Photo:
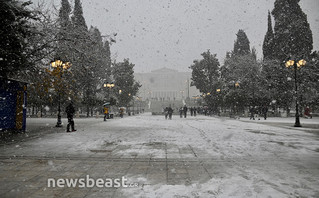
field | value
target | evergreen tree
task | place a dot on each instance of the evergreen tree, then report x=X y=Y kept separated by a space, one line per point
x=99 y=62
x=244 y=70
x=125 y=85
x=292 y=34
x=64 y=14
x=64 y=34
x=15 y=28
x=83 y=64
x=268 y=49
x=240 y=76
x=241 y=45
x=275 y=84
x=78 y=18
x=205 y=77
x=205 y=72
x=107 y=57
x=309 y=83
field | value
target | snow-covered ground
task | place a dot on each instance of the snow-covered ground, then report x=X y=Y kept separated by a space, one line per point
x=202 y=156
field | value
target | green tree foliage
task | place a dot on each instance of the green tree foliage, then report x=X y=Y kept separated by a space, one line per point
x=205 y=72
x=107 y=57
x=205 y=77
x=64 y=35
x=78 y=18
x=241 y=45
x=268 y=45
x=291 y=39
x=292 y=34
x=125 y=85
x=277 y=83
x=83 y=59
x=241 y=79
x=15 y=29
x=309 y=83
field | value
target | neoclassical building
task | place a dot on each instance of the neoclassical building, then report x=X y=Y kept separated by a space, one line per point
x=165 y=85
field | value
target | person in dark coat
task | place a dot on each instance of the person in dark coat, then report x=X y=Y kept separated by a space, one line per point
x=195 y=111
x=166 y=112
x=170 y=112
x=264 y=111
x=70 y=113
x=252 y=113
x=307 y=112
x=181 y=112
x=106 y=113
x=185 y=111
x=192 y=111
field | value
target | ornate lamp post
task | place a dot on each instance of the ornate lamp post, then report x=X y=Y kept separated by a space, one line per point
x=296 y=66
x=61 y=66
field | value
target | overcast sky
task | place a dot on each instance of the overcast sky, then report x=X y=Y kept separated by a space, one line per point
x=172 y=33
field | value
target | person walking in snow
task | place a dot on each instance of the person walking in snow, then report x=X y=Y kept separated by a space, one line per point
x=307 y=112
x=264 y=111
x=185 y=111
x=181 y=112
x=166 y=112
x=170 y=112
x=194 y=108
x=191 y=110
x=70 y=113
x=252 y=113
x=121 y=112
x=106 y=113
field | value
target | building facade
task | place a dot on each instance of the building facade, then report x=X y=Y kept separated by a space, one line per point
x=165 y=85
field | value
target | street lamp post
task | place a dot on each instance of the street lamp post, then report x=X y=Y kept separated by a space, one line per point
x=296 y=66
x=109 y=86
x=61 y=66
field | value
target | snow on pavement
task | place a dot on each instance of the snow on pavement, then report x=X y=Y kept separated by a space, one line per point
x=242 y=159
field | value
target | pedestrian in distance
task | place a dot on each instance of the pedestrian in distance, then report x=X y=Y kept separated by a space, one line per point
x=106 y=113
x=170 y=112
x=265 y=111
x=191 y=110
x=166 y=112
x=252 y=113
x=121 y=112
x=195 y=111
x=70 y=113
x=181 y=112
x=185 y=111
x=307 y=112
x=257 y=112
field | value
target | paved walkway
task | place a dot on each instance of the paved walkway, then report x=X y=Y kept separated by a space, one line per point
x=194 y=157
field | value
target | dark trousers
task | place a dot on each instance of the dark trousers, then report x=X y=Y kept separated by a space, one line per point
x=252 y=116
x=70 y=122
x=106 y=116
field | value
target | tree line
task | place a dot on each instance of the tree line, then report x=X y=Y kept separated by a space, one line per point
x=33 y=38
x=244 y=81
